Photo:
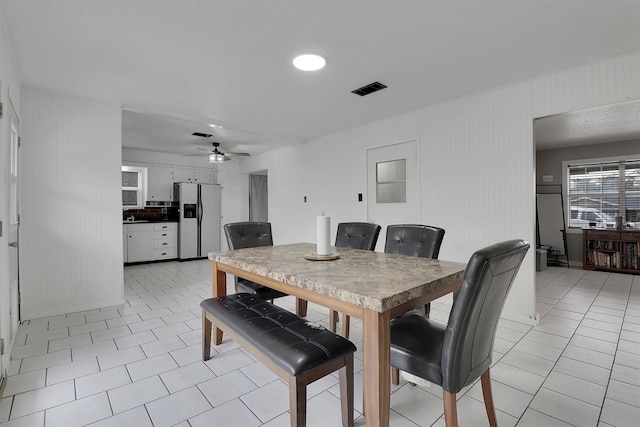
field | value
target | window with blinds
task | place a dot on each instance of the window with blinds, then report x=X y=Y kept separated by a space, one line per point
x=391 y=181
x=133 y=187
x=599 y=192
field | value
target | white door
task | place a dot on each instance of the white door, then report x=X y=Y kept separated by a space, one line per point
x=11 y=230
x=393 y=187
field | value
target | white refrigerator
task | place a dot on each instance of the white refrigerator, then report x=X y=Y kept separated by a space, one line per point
x=199 y=224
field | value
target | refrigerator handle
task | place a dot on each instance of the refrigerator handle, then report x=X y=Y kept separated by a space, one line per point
x=199 y=210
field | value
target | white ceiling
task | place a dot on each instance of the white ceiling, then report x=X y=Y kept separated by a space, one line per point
x=610 y=123
x=179 y=65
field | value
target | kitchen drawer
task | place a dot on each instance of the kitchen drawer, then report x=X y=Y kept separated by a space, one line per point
x=165 y=234
x=167 y=243
x=165 y=226
x=165 y=253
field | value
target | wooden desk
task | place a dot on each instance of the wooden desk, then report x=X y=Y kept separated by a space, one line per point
x=372 y=286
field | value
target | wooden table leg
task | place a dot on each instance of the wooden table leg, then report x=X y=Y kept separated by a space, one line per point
x=376 y=352
x=301 y=307
x=219 y=289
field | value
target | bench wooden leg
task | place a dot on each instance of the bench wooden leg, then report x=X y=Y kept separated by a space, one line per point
x=298 y=400
x=206 y=336
x=395 y=376
x=346 y=391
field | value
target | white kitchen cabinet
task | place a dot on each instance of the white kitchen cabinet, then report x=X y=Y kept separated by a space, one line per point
x=198 y=176
x=150 y=241
x=159 y=183
x=139 y=242
x=165 y=238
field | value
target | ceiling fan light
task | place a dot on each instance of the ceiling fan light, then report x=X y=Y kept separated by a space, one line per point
x=309 y=62
x=216 y=158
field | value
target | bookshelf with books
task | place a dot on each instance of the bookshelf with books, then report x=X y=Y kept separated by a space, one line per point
x=611 y=250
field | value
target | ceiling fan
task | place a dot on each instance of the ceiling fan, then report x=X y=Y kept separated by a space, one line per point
x=217 y=156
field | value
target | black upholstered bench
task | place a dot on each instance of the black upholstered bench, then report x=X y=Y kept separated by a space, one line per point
x=298 y=351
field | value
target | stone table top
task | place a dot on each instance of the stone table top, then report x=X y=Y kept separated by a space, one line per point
x=373 y=280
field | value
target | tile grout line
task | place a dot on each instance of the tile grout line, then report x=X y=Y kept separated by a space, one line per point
x=563 y=350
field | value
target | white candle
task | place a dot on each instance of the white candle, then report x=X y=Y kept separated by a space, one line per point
x=324 y=235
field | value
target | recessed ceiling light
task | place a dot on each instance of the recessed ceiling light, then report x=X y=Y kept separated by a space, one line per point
x=309 y=62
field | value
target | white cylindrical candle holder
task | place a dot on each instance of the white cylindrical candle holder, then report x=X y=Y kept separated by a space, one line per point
x=324 y=235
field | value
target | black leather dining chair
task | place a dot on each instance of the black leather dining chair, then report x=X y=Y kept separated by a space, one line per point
x=458 y=353
x=353 y=235
x=415 y=240
x=250 y=235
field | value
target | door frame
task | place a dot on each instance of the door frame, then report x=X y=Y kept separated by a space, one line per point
x=14 y=221
x=408 y=212
x=9 y=313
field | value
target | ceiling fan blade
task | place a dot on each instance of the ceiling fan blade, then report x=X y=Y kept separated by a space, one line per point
x=204 y=149
x=237 y=154
x=190 y=155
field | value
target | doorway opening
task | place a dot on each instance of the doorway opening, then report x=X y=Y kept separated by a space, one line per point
x=259 y=196
x=601 y=132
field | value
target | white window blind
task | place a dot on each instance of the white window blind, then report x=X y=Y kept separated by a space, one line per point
x=133 y=187
x=600 y=191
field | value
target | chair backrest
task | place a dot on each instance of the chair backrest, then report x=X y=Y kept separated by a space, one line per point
x=248 y=234
x=471 y=330
x=357 y=235
x=414 y=240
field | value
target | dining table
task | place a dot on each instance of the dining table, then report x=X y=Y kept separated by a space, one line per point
x=372 y=286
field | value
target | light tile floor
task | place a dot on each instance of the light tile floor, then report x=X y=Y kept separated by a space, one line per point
x=139 y=364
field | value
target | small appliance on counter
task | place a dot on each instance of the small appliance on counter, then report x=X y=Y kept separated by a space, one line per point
x=199 y=219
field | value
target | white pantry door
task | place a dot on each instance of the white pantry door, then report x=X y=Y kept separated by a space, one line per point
x=393 y=187
x=9 y=307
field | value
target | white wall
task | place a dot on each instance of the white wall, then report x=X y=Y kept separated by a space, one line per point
x=476 y=158
x=9 y=92
x=71 y=229
x=234 y=195
x=284 y=168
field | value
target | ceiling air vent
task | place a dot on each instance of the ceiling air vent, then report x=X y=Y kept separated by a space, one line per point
x=204 y=135
x=370 y=88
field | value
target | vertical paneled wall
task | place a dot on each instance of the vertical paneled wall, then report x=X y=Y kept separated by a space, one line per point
x=478 y=179
x=601 y=83
x=71 y=230
x=284 y=169
x=477 y=161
